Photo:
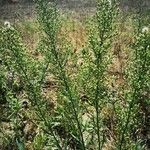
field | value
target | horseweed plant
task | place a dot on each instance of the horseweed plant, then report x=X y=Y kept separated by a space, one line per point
x=79 y=111
x=20 y=77
x=72 y=109
x=100 y=38
x=137 y=95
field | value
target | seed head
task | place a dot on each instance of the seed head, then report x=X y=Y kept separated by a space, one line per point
x=145 y=30
x=7 y=24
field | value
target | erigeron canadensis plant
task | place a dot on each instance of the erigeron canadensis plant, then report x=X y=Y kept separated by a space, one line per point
x=19 y=66
x=56 y=58
x=11 y=51
x=71 y=108
x=94 y=70
x=134 y=130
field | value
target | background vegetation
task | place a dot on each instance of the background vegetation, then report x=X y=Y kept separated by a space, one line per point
x=74 y=82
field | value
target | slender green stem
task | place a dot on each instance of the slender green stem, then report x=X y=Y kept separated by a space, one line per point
x=36 y=100
x=127 y=122
x=139 y=72
x=63 y=75
x=97 y=109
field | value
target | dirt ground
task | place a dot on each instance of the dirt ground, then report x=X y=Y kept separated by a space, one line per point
x=20 y=10
x=26 y=8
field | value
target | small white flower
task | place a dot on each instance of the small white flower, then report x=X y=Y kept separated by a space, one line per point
x=7 y=24
x=145 y=29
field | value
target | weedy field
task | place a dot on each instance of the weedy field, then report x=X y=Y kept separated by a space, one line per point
x=75 y=81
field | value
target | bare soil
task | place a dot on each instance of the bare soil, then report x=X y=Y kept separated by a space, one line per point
x=26 y=8
x=22 y=9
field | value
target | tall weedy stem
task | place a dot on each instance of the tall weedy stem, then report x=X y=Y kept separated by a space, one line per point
x=100 y=39
x=138 y=80
x=48 y=17
x=11 y=41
